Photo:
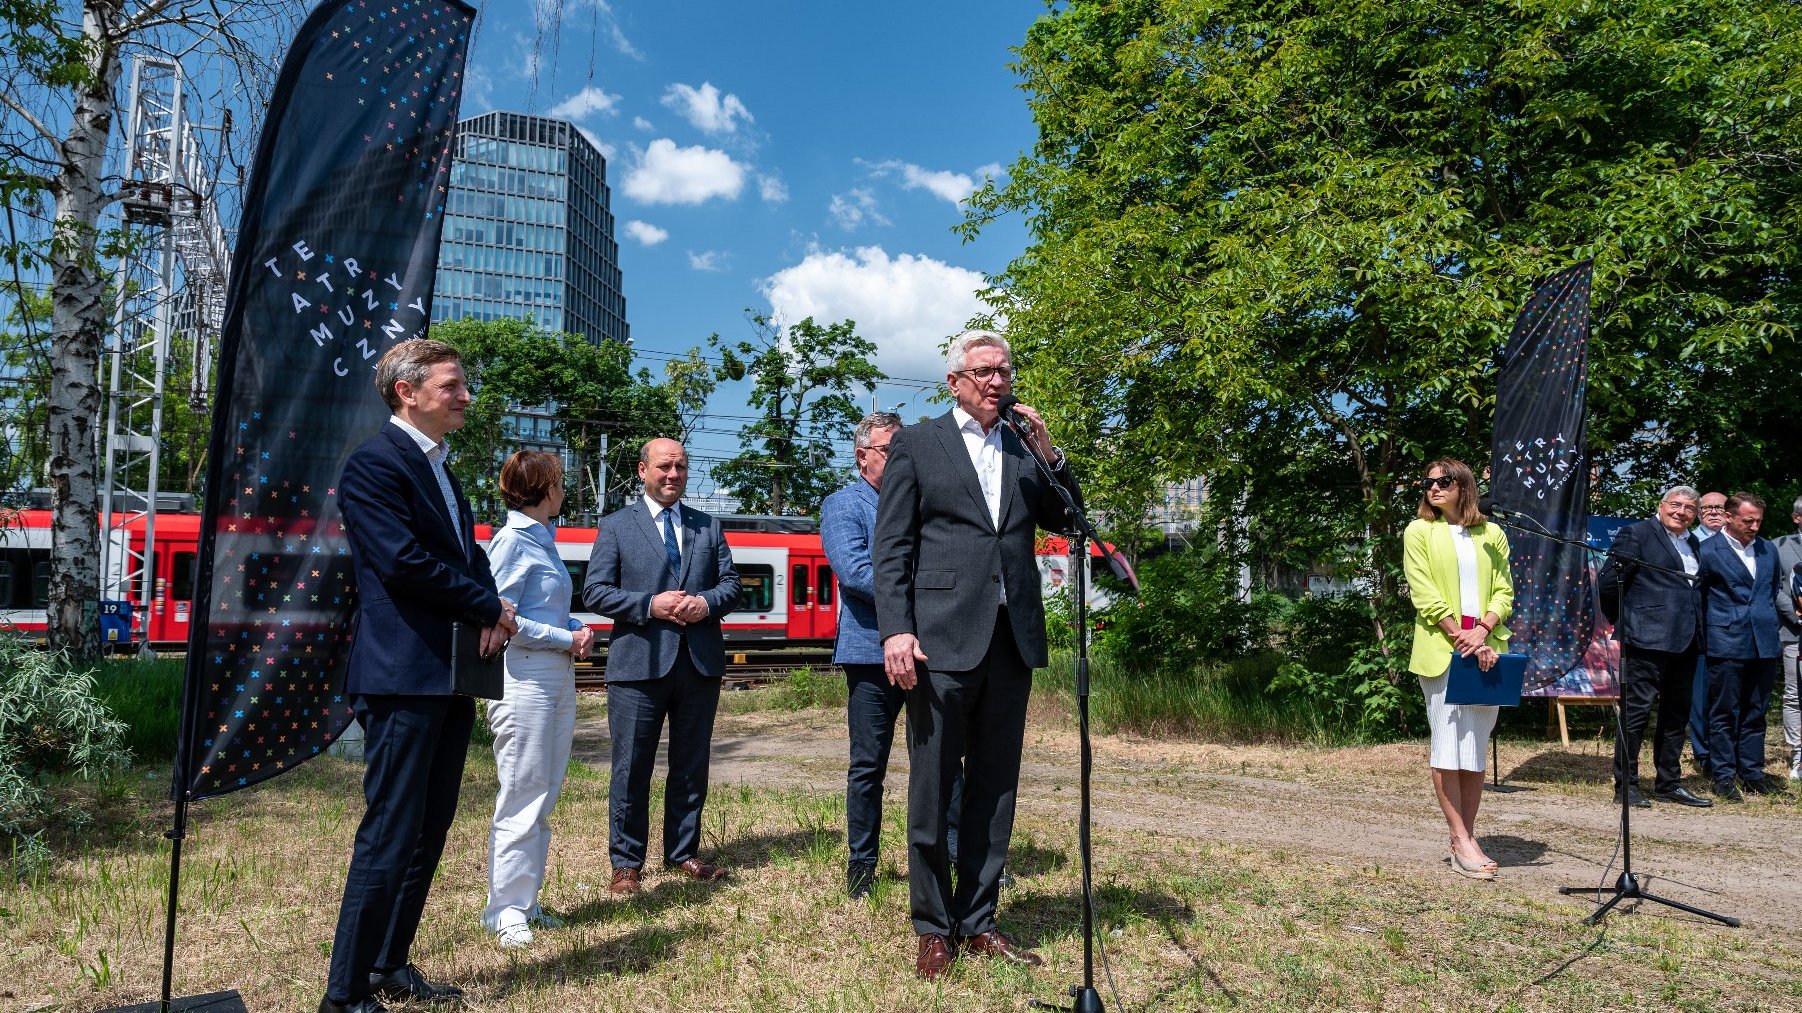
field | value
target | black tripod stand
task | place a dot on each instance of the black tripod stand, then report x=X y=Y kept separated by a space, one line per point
x=1628 y=885
x=1085 y=998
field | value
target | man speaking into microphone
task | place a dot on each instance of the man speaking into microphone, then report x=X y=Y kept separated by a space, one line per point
x=962 y=627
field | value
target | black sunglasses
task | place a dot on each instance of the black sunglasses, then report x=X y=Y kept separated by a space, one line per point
x=1442 y=482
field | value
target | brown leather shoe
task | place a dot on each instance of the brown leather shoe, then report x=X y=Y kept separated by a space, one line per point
x=694 y=868
x=935 y=958
x=993 y=944
x=625 y=882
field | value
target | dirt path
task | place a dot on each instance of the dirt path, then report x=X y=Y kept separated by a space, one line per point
x=1361 y=806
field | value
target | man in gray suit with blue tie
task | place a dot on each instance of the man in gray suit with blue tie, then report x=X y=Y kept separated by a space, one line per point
x=663 y=573
x=1739 y=583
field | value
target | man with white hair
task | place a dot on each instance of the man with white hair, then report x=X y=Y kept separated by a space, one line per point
x=1658 y=617
x=962 y=627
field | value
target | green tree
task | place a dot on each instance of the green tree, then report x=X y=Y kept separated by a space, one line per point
x=803 y=376
x=1279 y=244
x=590 y=391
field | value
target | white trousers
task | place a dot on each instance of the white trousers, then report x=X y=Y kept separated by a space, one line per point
x=533 y=723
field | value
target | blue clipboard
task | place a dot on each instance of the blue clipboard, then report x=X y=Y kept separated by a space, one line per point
x=1499 y=687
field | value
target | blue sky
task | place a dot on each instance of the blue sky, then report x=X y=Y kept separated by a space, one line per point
x=793 y=159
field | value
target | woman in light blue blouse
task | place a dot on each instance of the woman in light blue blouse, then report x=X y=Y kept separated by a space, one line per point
x=535 y=719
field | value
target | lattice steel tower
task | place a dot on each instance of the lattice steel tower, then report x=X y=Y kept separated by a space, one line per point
x=170 y=286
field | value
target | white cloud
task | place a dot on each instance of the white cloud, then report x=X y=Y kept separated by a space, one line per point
x=546 y=13
x=907 y=304
x=641 y=123
x=667 y=174
x=706 y=260
x=854 y=208
x=478 y=91
x=771 y=188
x=607 y=150
x=586 y=103
x=941 y=183
x=705 y=107
x=646 y=233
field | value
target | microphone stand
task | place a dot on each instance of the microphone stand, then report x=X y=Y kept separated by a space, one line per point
x=1628 y=885
x=1085 y=998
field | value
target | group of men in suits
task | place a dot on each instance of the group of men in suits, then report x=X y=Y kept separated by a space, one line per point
x=660 y=570
x=1710 y=597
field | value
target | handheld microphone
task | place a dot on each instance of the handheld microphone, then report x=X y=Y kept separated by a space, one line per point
x=1005 y=406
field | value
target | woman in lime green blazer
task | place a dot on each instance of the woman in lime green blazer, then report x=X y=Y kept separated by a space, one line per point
x=1456 y=563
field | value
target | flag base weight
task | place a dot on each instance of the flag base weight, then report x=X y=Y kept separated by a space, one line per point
x=228 y=1001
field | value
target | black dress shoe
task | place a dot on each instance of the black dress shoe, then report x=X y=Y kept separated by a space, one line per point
x=1725 y=791
x=1634 y=799
x=860 y=877
x=367 y=1004
x=407 y=983
x=1683 y=796
x=1764 y=786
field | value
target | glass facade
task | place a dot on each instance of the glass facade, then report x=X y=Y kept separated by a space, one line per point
x=528 y=229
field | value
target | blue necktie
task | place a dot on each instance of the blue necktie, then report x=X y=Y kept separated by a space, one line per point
x=669 y=543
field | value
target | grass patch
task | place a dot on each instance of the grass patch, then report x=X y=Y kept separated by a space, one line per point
x=146 y=695
x=1214 y=700
x=1188 y=924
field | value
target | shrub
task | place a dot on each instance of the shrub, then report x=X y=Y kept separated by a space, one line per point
x=1336 y=666
x=808 y=687
x=52 y=721
x=1188 y=611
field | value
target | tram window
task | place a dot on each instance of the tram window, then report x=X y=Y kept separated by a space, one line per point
x=40 y=584
x=181 y=582
x=578 y=571
x=758 y=586
x=797 y=585
x=6 y=583
x=824 y=584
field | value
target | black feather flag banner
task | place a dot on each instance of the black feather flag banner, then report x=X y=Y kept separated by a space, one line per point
x=334 y=263
x=1538 y=468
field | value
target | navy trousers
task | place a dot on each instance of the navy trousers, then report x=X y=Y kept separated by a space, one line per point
x=414 y=747
x=635 y=716
x=870 y=712
x=976 y=721
x=1739 y=693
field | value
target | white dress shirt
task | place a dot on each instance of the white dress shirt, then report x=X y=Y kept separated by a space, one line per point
x=985 y=454
x=657 y=511
x=1744 y=552
x=1680 y=545
x=435 y=451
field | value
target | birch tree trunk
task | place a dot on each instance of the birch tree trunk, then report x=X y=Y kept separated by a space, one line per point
x=78 y=324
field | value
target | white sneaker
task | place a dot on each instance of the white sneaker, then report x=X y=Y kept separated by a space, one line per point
x=1795 y=768
x=514 y=937
x=545 y=920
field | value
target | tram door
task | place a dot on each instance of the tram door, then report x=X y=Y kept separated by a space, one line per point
x=812 y=596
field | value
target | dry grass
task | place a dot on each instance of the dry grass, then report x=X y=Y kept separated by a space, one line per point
x=1189 y=923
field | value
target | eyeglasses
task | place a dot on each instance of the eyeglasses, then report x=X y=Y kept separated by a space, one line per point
x=1442 y=482
x=1714 y=509
x=875 y=449
x=983 y=374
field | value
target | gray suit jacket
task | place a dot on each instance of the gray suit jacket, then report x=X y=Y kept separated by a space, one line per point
x=629 y=567
x=940 y=561
x=1789 y=553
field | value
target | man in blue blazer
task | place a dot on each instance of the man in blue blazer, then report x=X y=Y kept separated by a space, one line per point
x=418 y=571
x=662 y=572
x=1739 y=583
x=847 y=529
x=1656 y=610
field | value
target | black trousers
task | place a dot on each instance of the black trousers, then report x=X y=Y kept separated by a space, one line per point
x=975 y=720
x=414 y=747
x=635 y=715
x=1653 y=678
x=1739 y=692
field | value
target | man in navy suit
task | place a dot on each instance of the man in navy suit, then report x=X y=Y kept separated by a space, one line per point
x=1739 y=583
x=418 y=571
x=662 y=572
x=1657 y=616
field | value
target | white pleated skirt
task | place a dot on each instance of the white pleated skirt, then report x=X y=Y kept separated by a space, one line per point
x=1460 y=731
